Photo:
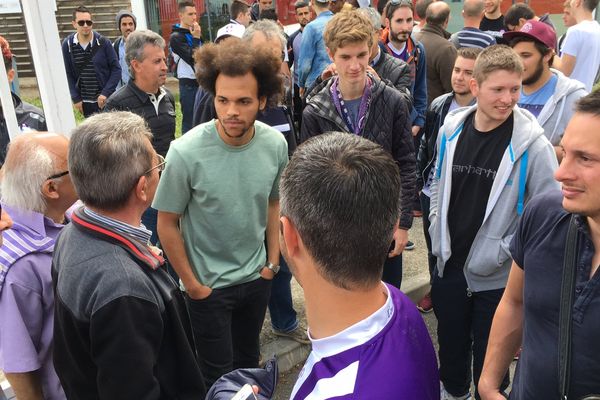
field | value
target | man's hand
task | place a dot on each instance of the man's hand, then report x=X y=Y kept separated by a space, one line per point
x=301 y=91
x=372 y=72
x=101 y=101
x=198 y=291
x=328 y=72
x=79 y=106
x=196 y=30
x=400 y=240
x=267 y=274
x=415 y=130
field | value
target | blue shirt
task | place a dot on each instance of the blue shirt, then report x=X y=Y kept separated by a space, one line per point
x=538 y=247
x=313 y=55
x=123 y=64
x=535 y=101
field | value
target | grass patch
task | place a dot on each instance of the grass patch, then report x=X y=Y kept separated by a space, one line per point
x=79 y=116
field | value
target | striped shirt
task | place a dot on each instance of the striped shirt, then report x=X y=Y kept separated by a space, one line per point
x=472 y=37
x=140 y=233
x=88 y=83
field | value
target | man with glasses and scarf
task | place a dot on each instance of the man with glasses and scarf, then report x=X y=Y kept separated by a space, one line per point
x=92 y=66
x=359 y=103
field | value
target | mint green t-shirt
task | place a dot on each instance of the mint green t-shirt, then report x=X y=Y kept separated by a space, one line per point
x=222 y=193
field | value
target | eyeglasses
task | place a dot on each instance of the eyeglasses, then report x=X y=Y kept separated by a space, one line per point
x=56 y=176
x=87 y=22
x=161 y=164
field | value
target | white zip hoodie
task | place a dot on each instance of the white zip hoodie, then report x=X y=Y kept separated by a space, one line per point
x=526 y=169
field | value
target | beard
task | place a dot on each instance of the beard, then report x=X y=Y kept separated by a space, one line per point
x=395 y=36
x=537 y=74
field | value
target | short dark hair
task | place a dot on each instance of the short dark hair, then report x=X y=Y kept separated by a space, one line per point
x=539 y=46
x=300 y=4
x=590 y=4
x=437 y=17
x=183 y=4
x=268 y=13
x=342 y=193
x=391 y=8
x=421 y=7
x=516 y=12
x=469 y=53
x=80 y=9
x=237 y=8
x=235 y=58
x=381 y=6
x=589 y=104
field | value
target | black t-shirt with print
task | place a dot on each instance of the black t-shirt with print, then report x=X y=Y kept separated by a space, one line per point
x=476 y=160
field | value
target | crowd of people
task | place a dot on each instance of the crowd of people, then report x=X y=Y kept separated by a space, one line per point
x=138 y=262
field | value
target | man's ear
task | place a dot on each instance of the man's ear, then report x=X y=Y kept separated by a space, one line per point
x=291 y=239
x=141 y=188
x=262 y=103
x=474 y=87
x=49 y=189
x=329 y=53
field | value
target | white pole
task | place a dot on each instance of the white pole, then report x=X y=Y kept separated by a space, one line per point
x=44 y=42
x=138 y=8
x=8 y=108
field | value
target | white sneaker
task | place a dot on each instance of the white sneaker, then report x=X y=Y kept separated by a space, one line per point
x=444 y=395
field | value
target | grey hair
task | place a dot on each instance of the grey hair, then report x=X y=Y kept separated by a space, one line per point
x=373 y=16
x=108 y=153
x=134 y=46
x=342 y=193
x=28 y=165
x=268 y=28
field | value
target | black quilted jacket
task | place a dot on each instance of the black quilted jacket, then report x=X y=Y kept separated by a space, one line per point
x=388 y=124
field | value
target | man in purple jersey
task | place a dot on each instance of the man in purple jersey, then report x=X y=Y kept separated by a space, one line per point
x=339 y=198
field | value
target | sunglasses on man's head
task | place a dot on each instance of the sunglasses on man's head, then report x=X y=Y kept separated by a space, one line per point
x=87 y=22
x=403 y=2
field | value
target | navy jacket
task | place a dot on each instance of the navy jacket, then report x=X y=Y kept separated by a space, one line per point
x=106 y=65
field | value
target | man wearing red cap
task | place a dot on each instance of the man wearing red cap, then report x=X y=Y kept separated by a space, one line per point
x=546 y=92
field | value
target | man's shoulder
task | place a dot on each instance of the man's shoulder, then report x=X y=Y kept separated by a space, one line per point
x=194 y=138
x=269 y=134
x=543 y=208
x=124 y=97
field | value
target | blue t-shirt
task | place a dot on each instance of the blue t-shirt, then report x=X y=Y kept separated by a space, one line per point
x=535 y=102
x=538 y=247
x=353 y=106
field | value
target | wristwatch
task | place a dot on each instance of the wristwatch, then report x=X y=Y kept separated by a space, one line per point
x=274 y=268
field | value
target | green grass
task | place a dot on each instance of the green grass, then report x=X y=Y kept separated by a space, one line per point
x=79 y=116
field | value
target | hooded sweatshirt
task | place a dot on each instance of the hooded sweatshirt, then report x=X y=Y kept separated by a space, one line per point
x=526 y=169
x=559 y=108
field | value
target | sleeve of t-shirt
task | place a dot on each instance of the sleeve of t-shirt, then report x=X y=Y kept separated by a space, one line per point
x=21 y=308
x=283 y=160
x=174 y=189
x=572 y=43
x=519 y=239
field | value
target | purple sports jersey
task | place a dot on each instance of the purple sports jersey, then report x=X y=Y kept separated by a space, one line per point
x=388 y=355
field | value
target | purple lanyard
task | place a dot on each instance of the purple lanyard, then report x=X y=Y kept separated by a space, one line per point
x=354 y=126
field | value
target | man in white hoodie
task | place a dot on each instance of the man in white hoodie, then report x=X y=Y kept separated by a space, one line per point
x=492 y=157
x=547 y=93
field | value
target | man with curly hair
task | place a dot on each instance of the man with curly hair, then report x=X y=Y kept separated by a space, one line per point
x=217 y=200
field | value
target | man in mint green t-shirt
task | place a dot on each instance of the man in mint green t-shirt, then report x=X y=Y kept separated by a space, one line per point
x=218 y=199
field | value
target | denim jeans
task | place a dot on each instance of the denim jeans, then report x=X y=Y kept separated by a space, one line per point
x=281 y=307
x=464 y=323
x=227 y=326
x=149 y=219
x=90 y=109
x=187 y=96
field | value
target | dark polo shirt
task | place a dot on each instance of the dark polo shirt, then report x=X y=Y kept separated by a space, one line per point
x=157 y=110
x=538 y=247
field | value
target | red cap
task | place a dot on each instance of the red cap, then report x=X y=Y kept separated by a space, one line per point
x=536 y=30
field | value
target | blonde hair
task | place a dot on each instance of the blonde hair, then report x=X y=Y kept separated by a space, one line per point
x=496 y=58
x=348 y=27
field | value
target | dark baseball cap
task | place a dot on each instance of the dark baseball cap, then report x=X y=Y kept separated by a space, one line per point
x=535 y=30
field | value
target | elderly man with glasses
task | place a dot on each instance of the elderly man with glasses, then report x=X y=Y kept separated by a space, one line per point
x=36 y=192
x=122 y=330
x=146 y=96
x=92 y=66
